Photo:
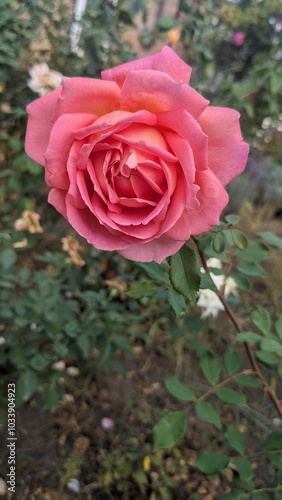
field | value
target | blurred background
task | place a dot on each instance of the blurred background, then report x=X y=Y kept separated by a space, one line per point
x=84 y=335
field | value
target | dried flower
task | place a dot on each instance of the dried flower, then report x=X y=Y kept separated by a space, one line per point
x=29 y=221
x=174 y=35
x=72 y=246
x=43 y=79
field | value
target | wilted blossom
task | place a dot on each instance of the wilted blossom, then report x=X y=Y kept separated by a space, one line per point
x=238 y=38
x=29 y=221
x=72 y=247
x=208 y=300
x=43 y=79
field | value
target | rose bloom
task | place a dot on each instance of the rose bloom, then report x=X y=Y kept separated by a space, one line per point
x=238 y=38
x=137 y=161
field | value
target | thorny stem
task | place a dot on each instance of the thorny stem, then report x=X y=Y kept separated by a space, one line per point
x=277 y=402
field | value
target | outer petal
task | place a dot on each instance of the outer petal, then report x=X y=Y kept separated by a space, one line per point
x=39 y=125
x=61 y=139
x=212 y=198
x=156 y=250
x=57 y=198
x=87 y=95
x=83 y=221
x=166 y=61
x=156 y=91
x=227 y=152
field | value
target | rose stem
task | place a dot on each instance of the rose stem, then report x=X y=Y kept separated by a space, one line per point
x=277 y=403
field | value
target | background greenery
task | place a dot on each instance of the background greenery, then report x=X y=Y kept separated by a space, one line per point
x=115 y=326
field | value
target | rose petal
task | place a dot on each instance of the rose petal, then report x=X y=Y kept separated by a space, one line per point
x=87 y=95
x=156 y=91
x=57 y=198
x=61 y=139
x=86 y=224
x=166 y=60
x=181 y=122
x=39 y=125
x=156 y=250
x=116 y=121
x=227 y=153
x=212 y=200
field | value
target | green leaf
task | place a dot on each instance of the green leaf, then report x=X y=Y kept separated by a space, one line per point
x=156 y=271
x=242 y=282
x=204 y=242
x=143 y=289
x=240 y=239
x=273 y=441
x=271 y=345
x=248 y=381
x=271 y=239
x=251 y=337
x=179 y=390
x=231 y=397
x=232 y=219
x=170 y=430
x=235 y=438
x=211 y=463
x=166 y=22
x=251 y=269
x=244 y=468
x=260 y=318
x=255 y=252
x=207 y=282
x=235 y=495
x=177 y=301
x=268 y=358
x=40 y=361
x=207 y=413
x=185 y=273
x=8 y=258
x=210 y=367
x=278 y=326
x=26 y=386
x=219 y=242
x=51 y=397
x=232 y=360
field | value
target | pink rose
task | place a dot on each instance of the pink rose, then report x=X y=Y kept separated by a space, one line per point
x=238 y=38
x=137 y=161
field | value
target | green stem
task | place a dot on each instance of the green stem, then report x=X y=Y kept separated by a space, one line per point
x=254 y=364
x=221 y=384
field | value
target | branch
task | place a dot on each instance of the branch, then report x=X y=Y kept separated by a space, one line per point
x=254 y=364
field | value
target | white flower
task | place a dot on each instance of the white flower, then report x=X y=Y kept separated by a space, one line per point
x=73 y=485
x=208 y=300
x=72 y=371
x=59 y=365
x=43 y=79
x=2 y=340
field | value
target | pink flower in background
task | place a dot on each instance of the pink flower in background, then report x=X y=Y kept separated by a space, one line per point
x=238 y=38
x=136 y=162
